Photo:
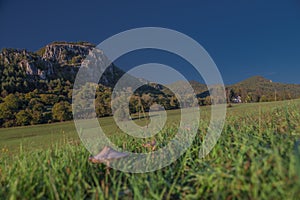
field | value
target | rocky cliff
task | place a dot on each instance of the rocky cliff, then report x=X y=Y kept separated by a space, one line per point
x=28 y=62
x=58 y=60
x=67 y=54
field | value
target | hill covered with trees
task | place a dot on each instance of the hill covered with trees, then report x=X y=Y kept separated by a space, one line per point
x=36 y=87
x=260 y=89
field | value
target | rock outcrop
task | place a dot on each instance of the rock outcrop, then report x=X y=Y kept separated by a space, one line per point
x=58 y=60
x=30 y=63
x=67 y=54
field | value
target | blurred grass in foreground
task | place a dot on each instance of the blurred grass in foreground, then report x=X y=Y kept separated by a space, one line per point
x=256 y=157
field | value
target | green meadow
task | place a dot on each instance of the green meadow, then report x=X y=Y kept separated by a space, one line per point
x=256 y=157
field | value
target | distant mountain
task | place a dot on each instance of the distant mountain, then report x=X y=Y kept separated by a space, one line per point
x=36 y=87
x=253 y=89
x=258 y=88
x=198 y=87
x=61 y=60
x=24 y=71
x=183 y=85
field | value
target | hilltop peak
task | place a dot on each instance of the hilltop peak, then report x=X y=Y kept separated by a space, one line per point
x=66 y=53
x=255 y=80
x=79 y=43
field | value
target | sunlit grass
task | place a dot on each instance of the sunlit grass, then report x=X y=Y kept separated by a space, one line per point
x=256 y=157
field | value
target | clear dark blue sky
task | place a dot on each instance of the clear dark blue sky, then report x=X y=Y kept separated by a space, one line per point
x=244 y=37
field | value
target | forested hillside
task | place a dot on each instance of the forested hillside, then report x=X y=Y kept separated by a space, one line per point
x=36 y=87
x=260 y=89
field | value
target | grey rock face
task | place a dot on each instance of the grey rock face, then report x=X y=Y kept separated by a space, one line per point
x=58 y=60
x=31 y=63
x=67 y=53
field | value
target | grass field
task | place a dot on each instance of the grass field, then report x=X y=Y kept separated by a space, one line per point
x=256 y=157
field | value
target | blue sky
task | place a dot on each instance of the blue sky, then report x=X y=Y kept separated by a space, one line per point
x=244 y=38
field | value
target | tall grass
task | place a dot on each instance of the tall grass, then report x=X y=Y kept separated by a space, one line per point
x=256 y=157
